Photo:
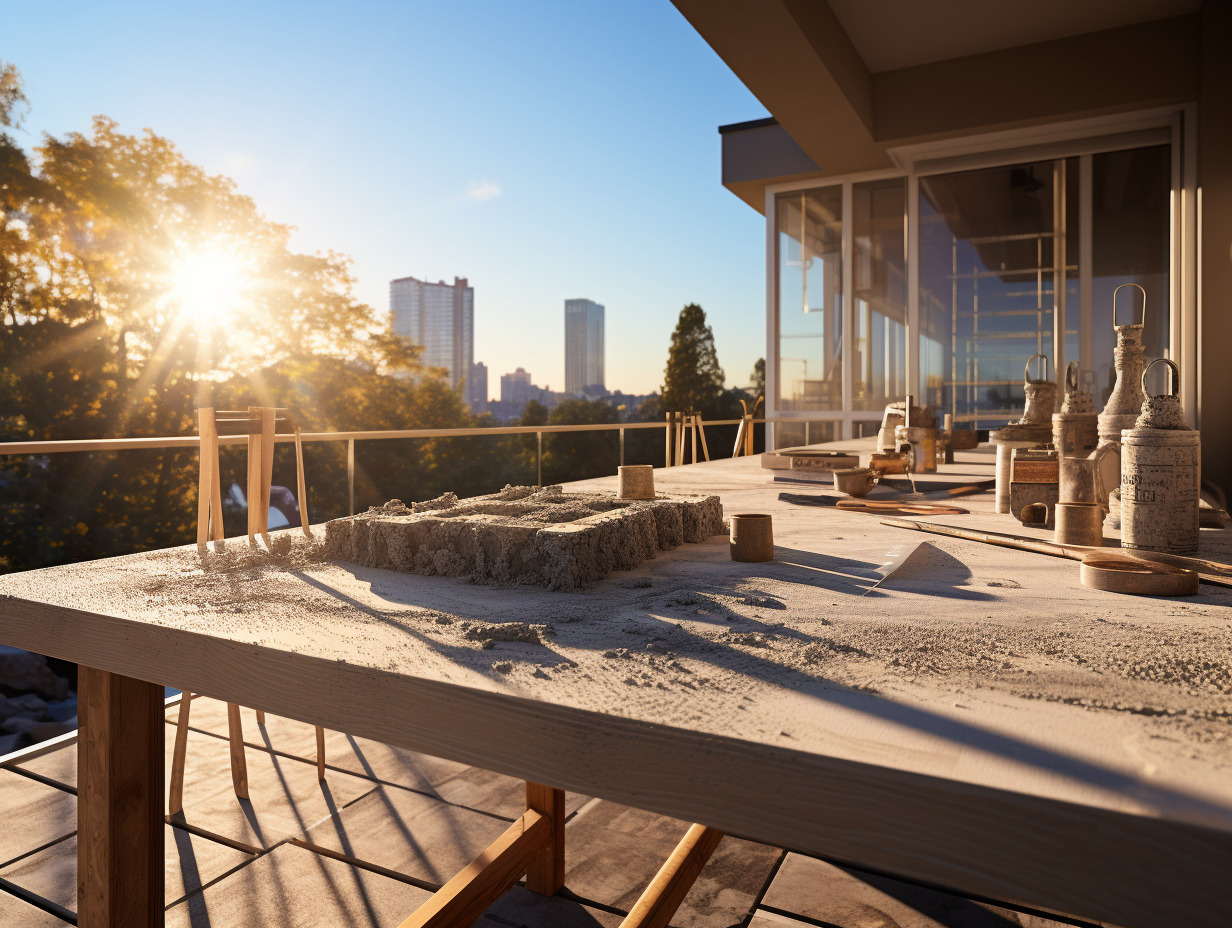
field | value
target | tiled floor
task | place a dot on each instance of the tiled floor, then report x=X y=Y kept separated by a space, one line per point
x=362 y=849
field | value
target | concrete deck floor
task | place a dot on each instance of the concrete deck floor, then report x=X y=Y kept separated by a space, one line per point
x=367 y=846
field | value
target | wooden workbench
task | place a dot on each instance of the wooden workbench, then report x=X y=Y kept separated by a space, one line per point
x=775 y=702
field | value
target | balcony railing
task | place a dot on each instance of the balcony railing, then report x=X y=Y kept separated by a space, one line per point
x=192 y=441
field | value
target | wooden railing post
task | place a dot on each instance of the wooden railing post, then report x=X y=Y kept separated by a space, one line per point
x=546 y=873
x=119 y=801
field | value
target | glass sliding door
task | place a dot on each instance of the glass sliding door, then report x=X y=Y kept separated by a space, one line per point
x=995 y=276
x=810 y=300
x=879 y=288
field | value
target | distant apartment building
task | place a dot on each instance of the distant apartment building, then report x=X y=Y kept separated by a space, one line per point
x=441 y=318
x=477 y=387
x=517 y=389
x=583 y=348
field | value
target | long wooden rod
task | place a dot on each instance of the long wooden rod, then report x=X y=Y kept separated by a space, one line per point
x=467 y=896
x=1208 y=571
x=675 y=878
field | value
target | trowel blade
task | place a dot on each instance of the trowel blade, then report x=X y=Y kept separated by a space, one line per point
x=899 y=557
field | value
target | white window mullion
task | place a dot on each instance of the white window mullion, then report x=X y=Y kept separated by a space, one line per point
x=849 y=312
x=913 y=285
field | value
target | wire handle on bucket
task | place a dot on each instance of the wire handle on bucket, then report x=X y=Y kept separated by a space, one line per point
x=1026 y=370
x=1137 y=287
x=1073 y=377
x=1174 y=376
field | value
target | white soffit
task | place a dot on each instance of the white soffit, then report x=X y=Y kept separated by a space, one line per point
x=893 y=34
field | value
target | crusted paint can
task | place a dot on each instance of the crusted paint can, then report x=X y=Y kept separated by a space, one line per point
x=1161 y=475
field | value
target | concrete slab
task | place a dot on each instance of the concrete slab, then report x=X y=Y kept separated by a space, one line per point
x=764 y=919
x=191 y=862
x=32 y=815
x=521 y=908
x=291 y=887
x=825 y=893
x=18 y=912
x=460 y=784
x=59 y=766
x=408 y=833
x=285 y=797
x=614 y=851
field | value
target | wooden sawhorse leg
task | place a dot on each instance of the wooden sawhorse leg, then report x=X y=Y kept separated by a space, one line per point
x=675 y=878
x=119 y=801
x=534 y=845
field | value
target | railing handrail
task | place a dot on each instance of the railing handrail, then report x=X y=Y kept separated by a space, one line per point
x=192 y=441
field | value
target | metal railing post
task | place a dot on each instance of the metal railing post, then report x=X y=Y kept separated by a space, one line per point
x=539 y=459
x=351 y=475
x=622 y=447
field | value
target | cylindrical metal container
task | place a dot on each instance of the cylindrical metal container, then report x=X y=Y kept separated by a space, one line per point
x=752 y=537
x=923 y=447
x=1161 y=476
x=636 y=481
x=1079 y=524
x=1075 y=434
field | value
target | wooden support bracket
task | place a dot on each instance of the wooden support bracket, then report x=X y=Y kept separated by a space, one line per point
x=546 y=873
x=672 y=883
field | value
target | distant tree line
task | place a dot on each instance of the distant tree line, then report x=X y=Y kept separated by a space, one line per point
x=95 y=230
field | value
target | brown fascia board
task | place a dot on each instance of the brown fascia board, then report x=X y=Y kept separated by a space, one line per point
x=795 y=57
x=1131 y=67
x=759 y=153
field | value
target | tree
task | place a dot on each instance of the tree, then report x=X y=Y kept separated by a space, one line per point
x=759 y=378
x=693 y=380
x=576 y=456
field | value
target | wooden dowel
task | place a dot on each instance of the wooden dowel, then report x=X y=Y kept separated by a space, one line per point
x=205 y=480
x=320 y=753
x=267 y=466
x=672 y=883
x=738 y=447
x=302 y=485
x=701 y=430
x=693 y=436
x=239 y=766
x=260 y=716
x=680 y=429
x=467 y=896
x=667 y=450
x=546 y=873
x=175 y=795
x=1208 y=571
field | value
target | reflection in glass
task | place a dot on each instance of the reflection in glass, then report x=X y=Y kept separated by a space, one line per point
x=794 y=434
x=810 y=299
x=879 y=235
x=993 y=248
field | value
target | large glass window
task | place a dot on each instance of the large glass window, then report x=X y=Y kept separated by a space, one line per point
x=1000 y=265
x=879 y=285
x=810 y=299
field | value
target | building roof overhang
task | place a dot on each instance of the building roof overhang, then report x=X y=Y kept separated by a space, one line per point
x=845 y=84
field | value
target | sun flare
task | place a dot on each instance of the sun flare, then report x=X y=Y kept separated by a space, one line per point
x=208 y=288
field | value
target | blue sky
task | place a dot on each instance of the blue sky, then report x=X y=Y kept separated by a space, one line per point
x=546 y=150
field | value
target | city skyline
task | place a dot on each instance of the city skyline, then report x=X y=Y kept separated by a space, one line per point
x=524 y=146
x=584 y=347
x=440 y=317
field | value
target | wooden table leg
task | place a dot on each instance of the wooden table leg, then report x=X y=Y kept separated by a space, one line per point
x=546 y=873
x=119 y=801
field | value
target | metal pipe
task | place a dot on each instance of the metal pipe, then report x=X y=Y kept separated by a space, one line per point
x=539 y=459
x=622 y=447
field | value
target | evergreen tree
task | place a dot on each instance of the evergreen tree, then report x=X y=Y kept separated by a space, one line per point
x=759 y=378
x=693 y=380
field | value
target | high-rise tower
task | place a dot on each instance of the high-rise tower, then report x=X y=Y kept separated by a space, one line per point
x=583 y=347
x=439 y=316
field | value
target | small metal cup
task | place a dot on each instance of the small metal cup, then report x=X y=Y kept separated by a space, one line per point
x=752 y=537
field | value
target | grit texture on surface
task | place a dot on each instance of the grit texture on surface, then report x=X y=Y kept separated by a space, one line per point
x=971 y=662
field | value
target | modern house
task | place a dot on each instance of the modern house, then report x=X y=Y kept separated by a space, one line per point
x=952 y=187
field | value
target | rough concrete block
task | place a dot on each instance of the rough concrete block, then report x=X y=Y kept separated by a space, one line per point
x=523 y=535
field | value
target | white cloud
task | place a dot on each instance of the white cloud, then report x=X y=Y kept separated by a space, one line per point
x=480 y=191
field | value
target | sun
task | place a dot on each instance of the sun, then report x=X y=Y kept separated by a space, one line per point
x=209 y=288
